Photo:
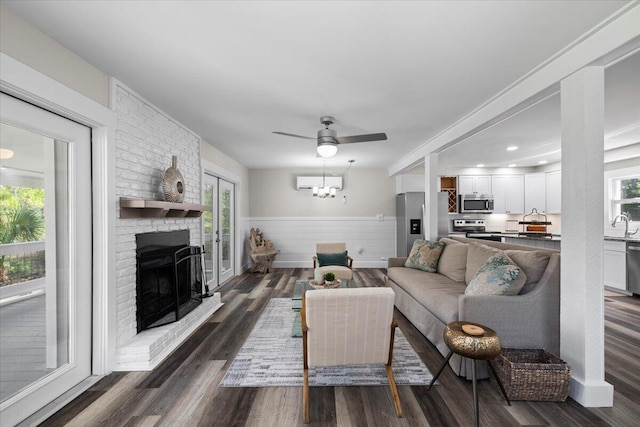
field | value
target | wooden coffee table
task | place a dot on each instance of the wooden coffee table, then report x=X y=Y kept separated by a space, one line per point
x=303 y=286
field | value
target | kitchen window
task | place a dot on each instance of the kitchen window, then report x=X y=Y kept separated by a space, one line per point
x=625 y=197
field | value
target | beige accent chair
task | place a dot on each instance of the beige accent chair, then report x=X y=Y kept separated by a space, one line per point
x=341 y=271
x=352 y=326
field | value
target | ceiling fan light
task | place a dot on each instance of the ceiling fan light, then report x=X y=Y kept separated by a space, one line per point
x=333 y=192
x=5 y=154
x=327 y=149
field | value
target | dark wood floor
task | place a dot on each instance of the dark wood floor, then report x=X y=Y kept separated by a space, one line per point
x=184 y=390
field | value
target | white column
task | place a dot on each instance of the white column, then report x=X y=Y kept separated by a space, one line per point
x=582 y=292
x=431 y=196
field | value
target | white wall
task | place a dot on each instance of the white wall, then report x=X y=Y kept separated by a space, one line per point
x=295 y=220
x=145 y=141
x=210 y=153
x=22 y=41
x=368 y=192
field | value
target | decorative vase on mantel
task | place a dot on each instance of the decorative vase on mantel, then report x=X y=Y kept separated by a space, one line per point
x=173 y=183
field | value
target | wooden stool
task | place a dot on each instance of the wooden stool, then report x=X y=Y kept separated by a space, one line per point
x=477 y=342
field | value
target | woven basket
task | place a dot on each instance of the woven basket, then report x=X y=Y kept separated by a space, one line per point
x=532 y=374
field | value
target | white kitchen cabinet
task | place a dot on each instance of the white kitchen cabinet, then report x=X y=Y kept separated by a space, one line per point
x=554 y=192
x=535 y=192
x=409 y=183
x=508 y=193
x=469 y=184
x=615 y=265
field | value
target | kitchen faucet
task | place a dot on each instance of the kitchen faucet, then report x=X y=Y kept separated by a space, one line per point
x=624 y=217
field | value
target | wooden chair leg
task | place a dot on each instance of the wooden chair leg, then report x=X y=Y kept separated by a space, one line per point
x=394 y=391
x=305 y=395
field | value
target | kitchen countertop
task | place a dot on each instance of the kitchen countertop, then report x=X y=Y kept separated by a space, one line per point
x=556 y=237
x=635 y=238
x=552 y=238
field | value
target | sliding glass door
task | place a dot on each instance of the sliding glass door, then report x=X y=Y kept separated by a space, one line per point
x=45 y=257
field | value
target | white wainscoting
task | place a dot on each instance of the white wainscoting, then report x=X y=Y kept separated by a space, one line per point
x=296 y=238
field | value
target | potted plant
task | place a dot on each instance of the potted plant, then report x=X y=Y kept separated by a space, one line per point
x=329 y=278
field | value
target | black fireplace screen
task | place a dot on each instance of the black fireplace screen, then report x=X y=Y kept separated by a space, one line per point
x=169 y=278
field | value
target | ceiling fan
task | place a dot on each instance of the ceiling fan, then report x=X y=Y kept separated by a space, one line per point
x=328 y=139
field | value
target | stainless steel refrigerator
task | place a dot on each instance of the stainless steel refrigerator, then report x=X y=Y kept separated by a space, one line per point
x=409 y=219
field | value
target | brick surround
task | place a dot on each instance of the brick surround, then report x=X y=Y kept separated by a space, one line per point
x=146 y=138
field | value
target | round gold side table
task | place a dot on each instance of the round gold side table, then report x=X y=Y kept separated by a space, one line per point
x=477 y=342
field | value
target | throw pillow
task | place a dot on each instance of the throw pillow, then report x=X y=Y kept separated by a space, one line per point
x=339 y=258
x=477 y=255
x=533 y=263
x=425 y=255
x=498 y=276
x=453 y=261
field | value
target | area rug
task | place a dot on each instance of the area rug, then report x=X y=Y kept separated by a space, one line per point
x=272 y=358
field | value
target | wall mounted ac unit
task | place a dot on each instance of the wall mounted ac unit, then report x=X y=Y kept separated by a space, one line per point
x=308 y=182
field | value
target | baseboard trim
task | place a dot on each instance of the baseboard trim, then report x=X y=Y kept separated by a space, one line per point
x=597 y=394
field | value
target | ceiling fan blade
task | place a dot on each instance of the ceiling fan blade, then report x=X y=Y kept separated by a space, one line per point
x=362 y=138
x=294 y=135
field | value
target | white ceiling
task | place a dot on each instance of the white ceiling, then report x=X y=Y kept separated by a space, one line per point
x=233 y=72
x=536 y=130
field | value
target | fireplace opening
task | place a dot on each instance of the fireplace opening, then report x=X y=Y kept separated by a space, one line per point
x=169 y=278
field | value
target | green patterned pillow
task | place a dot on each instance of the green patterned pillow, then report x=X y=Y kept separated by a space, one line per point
x=498 y=276
x=425 y=255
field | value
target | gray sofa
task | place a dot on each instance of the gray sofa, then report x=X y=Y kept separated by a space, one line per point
x=530 y=319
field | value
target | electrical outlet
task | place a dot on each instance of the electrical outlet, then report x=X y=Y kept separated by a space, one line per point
x=360 y=250
x=380 y=217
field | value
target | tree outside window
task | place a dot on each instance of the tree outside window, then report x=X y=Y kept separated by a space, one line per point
x=21 y=220
x=627 y=197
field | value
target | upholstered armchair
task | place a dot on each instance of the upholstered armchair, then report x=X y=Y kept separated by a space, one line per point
x=352 y=326
x=333 y=257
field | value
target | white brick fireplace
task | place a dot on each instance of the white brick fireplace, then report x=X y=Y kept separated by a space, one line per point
x=146 y=138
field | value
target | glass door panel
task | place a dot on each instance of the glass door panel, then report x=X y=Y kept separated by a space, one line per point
x=226 y=227
x=209 y=228
x=218 y=230
x=45 y=257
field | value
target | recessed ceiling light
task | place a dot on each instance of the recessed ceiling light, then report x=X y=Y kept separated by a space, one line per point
x=542 y=162
x=5 y=154
x=512 y=148
x=512 y=165
x=480 y=165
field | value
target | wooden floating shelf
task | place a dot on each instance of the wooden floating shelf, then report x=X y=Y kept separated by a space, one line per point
x=148 y=208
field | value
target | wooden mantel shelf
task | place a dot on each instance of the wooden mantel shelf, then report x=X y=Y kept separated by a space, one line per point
x=148 y=208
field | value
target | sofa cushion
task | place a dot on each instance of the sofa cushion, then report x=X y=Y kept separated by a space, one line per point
x=453 y=261
x=339 y=258
x=425 y=255
x=533 y=263
x=435 y=292
x=477 y=255
x=498 y=276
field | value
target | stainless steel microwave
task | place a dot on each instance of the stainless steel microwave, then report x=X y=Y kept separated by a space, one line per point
x=475 y=203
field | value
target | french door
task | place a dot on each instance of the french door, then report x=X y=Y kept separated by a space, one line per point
x=219 y=230
x=45 y=256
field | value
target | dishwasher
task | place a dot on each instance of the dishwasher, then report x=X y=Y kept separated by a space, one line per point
x=633 y=267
